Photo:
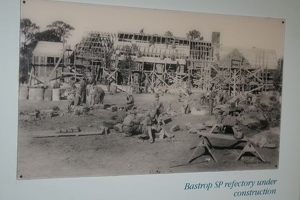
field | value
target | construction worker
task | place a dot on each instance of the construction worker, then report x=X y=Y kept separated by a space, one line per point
x=202 y=99
x=173 y=45
x=146 y=84
x=129 y=101
x=92 y=93
x=131 y=125
x=99 y=96
x=142 y=31
x=151 y=42
x=211 y=97
x=147 y=124
x=82 y=91
x=137 y=83
x=77 y=100
x=220 y=97
x=180 y=95
x=158 y=106
x=249 y=98
x=71 y=97
x=186 y=107
x=152 y=125
x=121 y=114
x=188 y=87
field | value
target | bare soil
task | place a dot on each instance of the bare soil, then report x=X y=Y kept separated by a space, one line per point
x=113 y=154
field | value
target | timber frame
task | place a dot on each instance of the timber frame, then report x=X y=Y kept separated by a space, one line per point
x=166 y=62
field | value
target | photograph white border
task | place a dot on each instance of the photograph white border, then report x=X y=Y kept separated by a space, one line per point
x=169 y=186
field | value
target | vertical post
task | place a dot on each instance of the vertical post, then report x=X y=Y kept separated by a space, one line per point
x=152 y=76
x=117 y=71
x=234 y=82
x=165 y=73
x=241 y=82
x=92 y=65
x=266 y=75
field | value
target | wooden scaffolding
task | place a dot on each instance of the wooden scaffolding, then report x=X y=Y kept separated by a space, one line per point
x=168 y=62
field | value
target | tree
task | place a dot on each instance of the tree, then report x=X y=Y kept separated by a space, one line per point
x=169 y=34
x=61 y=29
x=47 y=35
x=28 y=31
x=127 y=64
x=194 y=34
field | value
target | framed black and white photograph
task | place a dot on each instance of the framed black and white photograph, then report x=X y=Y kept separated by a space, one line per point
x=149 y=99
x=111 y=91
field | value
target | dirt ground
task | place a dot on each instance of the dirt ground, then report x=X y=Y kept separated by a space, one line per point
x=113 y=154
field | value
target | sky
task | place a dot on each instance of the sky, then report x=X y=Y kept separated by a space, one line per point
x=236 y=31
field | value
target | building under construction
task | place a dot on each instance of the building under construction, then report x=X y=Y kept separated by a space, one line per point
x=160 y=61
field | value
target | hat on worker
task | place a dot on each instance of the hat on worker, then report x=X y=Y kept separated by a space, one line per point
x=152 y=114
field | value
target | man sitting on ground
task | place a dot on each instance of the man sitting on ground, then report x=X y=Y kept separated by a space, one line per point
x=131 y=125
x=153 y=128
x=71 y=97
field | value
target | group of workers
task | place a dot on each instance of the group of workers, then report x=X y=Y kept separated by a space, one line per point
x=84 y=94
x=214 y=97
x=148 y=128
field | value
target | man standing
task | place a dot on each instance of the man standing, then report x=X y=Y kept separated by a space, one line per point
x=211 y=97
x=77 y=100
x=146 y=84
x=99 y=96
x=82 y=91
x=186 y=109
x=129 y=101
x=158 y=106
x=92 y=94
x=202 y=98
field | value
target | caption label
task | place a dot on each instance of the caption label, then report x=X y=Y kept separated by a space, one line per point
x=241 y=188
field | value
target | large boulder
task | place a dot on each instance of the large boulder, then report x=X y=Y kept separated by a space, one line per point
x=103 y=130
x=175 y=128
x=118 y=127
x=193 y=131
x=255 y=120
x=265 y=100
x=198 y=126
x=251 y=123
x=210 y=123
x=188 y=126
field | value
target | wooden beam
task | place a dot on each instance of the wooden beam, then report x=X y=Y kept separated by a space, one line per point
x=44 y=134
x=57 y=64
x=33 y=76
x=31 y=72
